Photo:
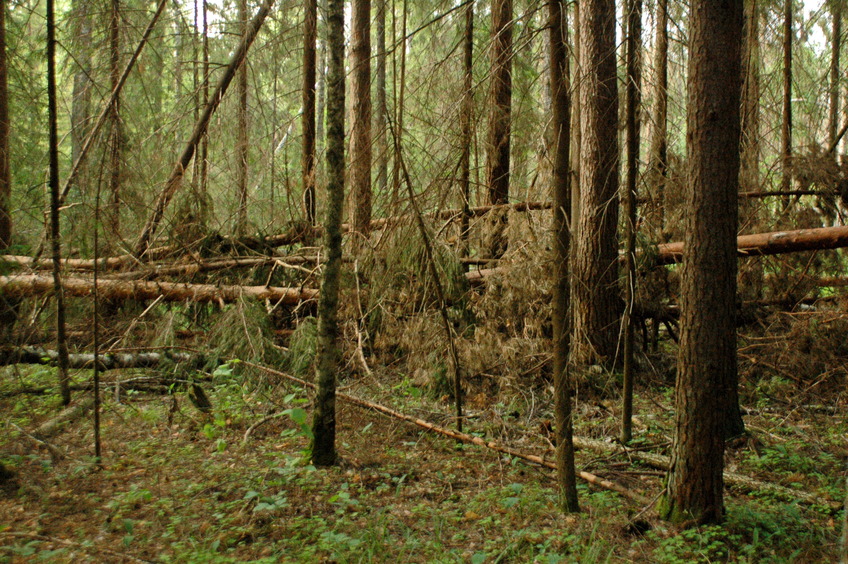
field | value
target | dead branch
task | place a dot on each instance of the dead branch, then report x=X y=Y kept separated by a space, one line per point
x=465 y=438
x=31 y=285
x=54 y=425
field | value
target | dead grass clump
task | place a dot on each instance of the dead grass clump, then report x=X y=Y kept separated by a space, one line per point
x=243 y=331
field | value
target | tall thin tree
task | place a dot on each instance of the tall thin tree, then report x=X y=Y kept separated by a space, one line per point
x=786 y=123
x=500 y=117
x=380 y=105
x=632 y=120
x=466 y=118
x=835 y=48
x=116 y=135
x=360 y=128
x=310 y=36
x=658 y=164
x=706 y=366
x=242 y=147
x=55 y=233
x=5 y=171
x=561 y=188
x=327 y=350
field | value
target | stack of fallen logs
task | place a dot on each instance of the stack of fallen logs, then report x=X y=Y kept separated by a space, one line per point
x=128 y=278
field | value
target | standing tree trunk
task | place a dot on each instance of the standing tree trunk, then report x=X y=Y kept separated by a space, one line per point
x=595 y=289
x=786 y=125
x=5 y=171
x=115 y=117
x=706 y=369
x=659 y=140
x=381 y=109
x=497 y=155
x=836 y=44
x=360 y=129
x=560 y=138
x=750 y=270
x=465 y=120
x=576 y=141
x=53 y=157
x=205 y=201
x=310 y=35
x=327 y=351
x=633 y=101
x=82 y=89
x=242 y=142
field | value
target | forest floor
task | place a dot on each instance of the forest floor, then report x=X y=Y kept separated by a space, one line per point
x=179 y=485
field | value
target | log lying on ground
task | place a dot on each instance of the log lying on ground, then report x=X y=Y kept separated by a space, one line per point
x=32 y=285
x=774 y=243
x=106 y=361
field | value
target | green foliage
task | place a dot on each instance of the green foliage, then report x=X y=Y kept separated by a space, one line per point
x=301 y=355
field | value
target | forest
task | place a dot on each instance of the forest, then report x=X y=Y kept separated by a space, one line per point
x=453 y=281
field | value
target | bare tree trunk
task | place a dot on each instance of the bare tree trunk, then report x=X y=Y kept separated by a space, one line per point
x=81 y=101
x=659 y=140
x=633 y=121
x=381 y=107
x=465 y=120
x=560 y=137
x=242 y=142
x=175 y=179
x=500 y=96
x=595 y=270
x=576 y=140
x=836 y=45
x=706 y=371
x=114 y=214
x=327 y=350
x=360 y=129
x=786 y=124
x=55 y=234
x=5 y=170
x=310 y=35
x=205 y=211
x=750 y=271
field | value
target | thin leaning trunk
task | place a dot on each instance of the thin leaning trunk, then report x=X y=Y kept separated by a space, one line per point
x=175 y=179
x=466 y=118
x=5 y=171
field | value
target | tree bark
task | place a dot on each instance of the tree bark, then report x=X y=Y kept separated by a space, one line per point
x=633 y=102
x=310 y=36
x=55 y=233
x=33 y=285
x=381 y=107
x=659 y=141
x=107 y=361
x=360 y=129
x=560 y=150
x=595 y=290
x=176 y=176
x=466 y=118
x=786 y=124
x=242 y=147
x=500 y=126
x=5 y=170
x=751 y=271
x=836 y=46
x=114 y=213
x=327 y=351
x=706 y=389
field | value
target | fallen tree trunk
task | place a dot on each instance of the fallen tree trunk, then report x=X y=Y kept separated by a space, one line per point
x=106 y=361
x=465 y=438
x=32 y=285
x=774 y=243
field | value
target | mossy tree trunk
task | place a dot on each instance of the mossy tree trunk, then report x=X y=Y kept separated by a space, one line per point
x=706 y=368
x=327 y=351
x=5 y=171
x=310 y=35
x=560 y=138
